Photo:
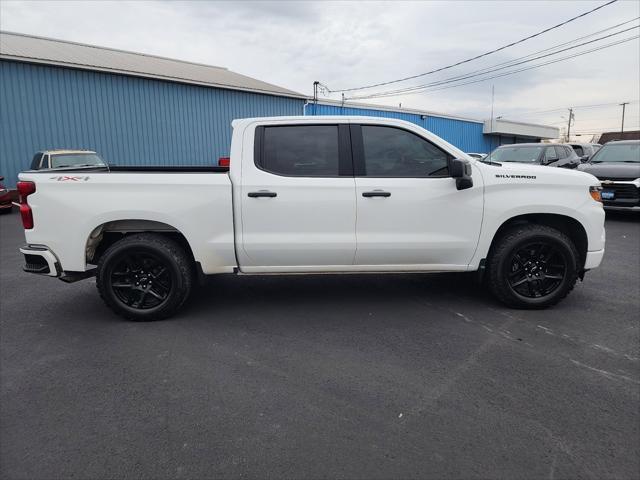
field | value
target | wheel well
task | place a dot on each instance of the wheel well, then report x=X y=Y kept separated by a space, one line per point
x=105 y=235
x=567 y=225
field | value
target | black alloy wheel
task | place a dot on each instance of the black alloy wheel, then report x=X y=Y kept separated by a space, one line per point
x=141 y=280
x=536 y=269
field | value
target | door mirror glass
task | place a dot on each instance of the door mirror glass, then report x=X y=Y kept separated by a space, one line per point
x=584 y=158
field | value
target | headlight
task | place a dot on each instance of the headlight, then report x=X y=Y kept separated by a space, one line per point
x=595 y=193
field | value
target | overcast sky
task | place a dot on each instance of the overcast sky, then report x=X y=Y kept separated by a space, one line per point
x=350 y=44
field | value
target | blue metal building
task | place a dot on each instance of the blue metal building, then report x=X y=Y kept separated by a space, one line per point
x=141 y=109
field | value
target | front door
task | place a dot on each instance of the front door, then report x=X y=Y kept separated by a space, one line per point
x=410 y=216
x=298 y=207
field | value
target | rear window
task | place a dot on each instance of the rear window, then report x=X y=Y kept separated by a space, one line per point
x=528 y=154
x=75 y=160
x=616 y=152
x=301 y=150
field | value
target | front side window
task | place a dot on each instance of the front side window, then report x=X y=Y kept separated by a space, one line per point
x=301 y=150
x=392 y=152
x=578 y=149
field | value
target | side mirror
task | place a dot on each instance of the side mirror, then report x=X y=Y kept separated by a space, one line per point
x=584 y=158
x=461 y=171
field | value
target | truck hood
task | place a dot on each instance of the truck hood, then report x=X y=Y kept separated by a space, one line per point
x=564 y=175
x=612 y=170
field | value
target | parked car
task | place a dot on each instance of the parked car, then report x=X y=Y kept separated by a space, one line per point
x=477 y=156
x=314 y=195
x=65 y=158
x=585 y=150
x=552 y=155
x=617 y=166
x=5 y=198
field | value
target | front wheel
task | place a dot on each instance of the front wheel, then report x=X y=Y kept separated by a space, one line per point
x=144 y=277
x=533 y=266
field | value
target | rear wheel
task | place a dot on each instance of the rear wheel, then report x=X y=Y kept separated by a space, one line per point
x=533 y=266
x=145 y=277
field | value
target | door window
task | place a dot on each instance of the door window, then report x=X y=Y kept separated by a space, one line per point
x=393 y=152
x=562 y=153
x=550 y=155
x=300 y=150
x=578 y=149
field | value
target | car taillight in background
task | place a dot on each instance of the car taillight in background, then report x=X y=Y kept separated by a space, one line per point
x=224 y=162
x=24 y=190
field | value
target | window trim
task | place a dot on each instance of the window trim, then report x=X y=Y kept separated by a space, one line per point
x=345 y=160
x=357 y=145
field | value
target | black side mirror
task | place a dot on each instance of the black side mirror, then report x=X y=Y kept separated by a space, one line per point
x=461 y=171
x=584 y=158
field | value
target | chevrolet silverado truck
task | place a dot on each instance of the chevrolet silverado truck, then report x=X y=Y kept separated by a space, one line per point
x=308 y=195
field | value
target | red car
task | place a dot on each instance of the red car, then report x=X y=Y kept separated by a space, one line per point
x=6 y=197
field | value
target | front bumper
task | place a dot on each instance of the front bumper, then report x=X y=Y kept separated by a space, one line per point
x=40 y=260
x=593 y=259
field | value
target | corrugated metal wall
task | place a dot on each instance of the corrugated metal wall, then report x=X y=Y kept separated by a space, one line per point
x=465 y=135
x=128 y=120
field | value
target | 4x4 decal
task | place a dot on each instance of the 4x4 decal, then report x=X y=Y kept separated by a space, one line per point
x=67 y=178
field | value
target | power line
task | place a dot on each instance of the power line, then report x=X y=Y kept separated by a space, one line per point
x=477 y=56
x=536 y=112
x=511 y=63
x=487 y=70
x=426 y=88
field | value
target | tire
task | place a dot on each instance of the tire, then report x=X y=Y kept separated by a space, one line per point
x=145 y=277
x=532 y=266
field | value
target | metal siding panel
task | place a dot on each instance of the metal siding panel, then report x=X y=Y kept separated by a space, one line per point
x=128 y=120
x=467 y=136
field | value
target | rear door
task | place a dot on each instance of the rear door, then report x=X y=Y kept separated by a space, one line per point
x=298 y=207
x=410 y=214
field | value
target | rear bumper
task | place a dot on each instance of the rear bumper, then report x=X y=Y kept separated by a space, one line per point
x=593 y=259
x=40 y=260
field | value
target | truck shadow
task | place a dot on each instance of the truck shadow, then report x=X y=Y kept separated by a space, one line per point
x=334 y=295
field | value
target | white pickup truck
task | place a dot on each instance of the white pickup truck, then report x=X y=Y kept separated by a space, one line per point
x=305 y=195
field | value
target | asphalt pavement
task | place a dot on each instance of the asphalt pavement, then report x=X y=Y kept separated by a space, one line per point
x=350 y=376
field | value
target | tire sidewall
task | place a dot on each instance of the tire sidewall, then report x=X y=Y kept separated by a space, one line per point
x=565 y=250
x=111 y=259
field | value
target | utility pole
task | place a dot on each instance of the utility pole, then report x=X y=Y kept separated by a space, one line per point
x=315 y=96
x=622 y=126
x=492 y=97
x=569 y=125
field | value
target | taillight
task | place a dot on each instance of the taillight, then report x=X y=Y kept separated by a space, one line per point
x=224 y=162
x=24 y=190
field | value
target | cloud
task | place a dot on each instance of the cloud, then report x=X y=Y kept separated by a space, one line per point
x=345 y=44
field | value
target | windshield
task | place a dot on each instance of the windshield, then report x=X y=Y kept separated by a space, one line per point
x=528 y=154
x=618 y=152
x=75 y=160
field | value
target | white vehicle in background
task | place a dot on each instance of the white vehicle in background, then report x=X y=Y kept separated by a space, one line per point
x=309 y=195
x=65 y=158
x=477 y=156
